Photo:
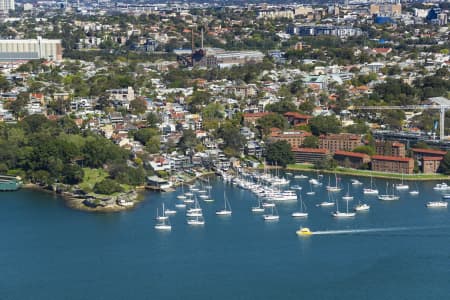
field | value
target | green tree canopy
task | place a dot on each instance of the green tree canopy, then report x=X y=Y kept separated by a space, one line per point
x=138 y=106
x=325 y=124
x=232 y=137
x=272 y=120
x=153 y=119
x=445 y=164
x=279 y=153
x=144 y=135
x=281 y=107
x=188 y=140
x=311 y=142
x=107 y=187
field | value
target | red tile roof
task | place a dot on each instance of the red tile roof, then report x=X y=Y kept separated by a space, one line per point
x=351 y=154
x=392 y=158
x=340 y=136
x=296 y=115
x=382 y=50
x=256 y=115
x=429 y=151
x=310 y=150
x=433 y=158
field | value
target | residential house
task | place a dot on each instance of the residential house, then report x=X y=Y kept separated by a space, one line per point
x=295 y=118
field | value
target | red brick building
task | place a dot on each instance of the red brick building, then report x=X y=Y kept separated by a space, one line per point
x=336 y=142
x=294 y=138
x=390 y=148
x=310 y=155
x=428 y=160
x=393 y=164
x=351 y=159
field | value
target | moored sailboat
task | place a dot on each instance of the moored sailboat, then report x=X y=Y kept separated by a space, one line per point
x=226 y=211
x=302 y=213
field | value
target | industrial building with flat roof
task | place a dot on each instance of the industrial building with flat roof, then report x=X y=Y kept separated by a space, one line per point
x=24 y=50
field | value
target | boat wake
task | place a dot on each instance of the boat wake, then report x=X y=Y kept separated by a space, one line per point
x=370 y=230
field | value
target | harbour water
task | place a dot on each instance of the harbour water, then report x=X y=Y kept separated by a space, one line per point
x=49 y=251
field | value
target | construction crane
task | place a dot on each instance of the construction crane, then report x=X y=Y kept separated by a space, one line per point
x=442 y=109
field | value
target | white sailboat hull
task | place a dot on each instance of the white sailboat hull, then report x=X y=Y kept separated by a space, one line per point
x=338 y=214
x=299 y=214
x=271 y=218
x=163 y=227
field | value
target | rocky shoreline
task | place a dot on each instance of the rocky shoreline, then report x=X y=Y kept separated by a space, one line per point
x=102 y=203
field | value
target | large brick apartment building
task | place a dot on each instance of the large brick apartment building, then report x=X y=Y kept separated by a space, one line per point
x=390 y=148
x=336 y=142
x=310 y=155
x=393 y=164
x=294 y=138
x=428 y=160
x=351 y=159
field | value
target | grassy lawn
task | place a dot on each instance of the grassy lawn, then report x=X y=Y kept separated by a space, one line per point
x=367 y=173
x=91 y=177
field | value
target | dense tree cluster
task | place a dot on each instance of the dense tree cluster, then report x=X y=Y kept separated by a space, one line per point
x=279 y=153
x=47 y=152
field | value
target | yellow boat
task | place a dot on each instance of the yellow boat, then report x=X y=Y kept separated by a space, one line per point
x=304 y=231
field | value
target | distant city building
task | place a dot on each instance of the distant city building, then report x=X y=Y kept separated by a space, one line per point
x=19 y=50
x=442 y=19
x=6 y=6
x=303 y=10
x=216 y=57
x=386 y=9
x=276 y=14
x=318 y=30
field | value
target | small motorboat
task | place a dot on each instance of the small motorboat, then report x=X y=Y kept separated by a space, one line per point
x=304 y=231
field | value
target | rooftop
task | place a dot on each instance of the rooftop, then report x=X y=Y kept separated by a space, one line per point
x=310 y=150
x=351 y=154
x=428 y=151
x=392 y=158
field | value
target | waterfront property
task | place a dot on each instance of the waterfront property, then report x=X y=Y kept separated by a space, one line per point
x=428 y=160
x=351 y=159
x=343 y=141
x=392 y=164
x=294 y=138
x=390 y=148
x=310 y=155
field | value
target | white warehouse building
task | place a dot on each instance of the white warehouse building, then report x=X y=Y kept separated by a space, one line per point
x=17 y=50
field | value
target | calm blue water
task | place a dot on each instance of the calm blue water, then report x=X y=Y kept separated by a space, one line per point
x=49 y=251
